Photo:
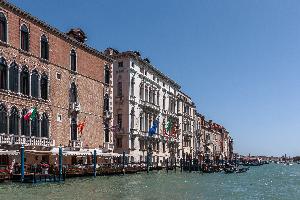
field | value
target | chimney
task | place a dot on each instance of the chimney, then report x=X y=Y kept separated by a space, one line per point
x=110 y=51
x=77 y=34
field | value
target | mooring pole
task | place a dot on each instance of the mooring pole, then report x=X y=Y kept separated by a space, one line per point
x=175 y=164
x=22 y=163
x=148 y=160
x=123 y=162
x=167 y=167
x=181 y=162
x=95 y=162
x=190 y=163
x=60 y=164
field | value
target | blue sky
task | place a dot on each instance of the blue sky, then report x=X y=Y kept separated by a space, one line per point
x=238 y=60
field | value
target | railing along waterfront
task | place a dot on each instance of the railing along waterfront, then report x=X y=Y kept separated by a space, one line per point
x=26 y=140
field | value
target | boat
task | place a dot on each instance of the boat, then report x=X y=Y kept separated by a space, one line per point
x=242 y=170
x=229 y=170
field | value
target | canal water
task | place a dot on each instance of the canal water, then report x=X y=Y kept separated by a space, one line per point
x=273 y=181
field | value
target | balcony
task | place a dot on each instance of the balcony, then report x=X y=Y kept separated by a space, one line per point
x=107 y=114
x=26 y=140
x=150 y=106
x=75 y=143
x=187 y=133
x=75 y=107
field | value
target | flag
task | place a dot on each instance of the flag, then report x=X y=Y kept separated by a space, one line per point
x=169 y=125
x=80 y=126
x=152 y=130
x=31 y=114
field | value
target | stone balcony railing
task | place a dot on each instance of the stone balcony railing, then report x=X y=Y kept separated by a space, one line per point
x=26 y=140
x=108 y=147
x=150 y=105
x=76 y=143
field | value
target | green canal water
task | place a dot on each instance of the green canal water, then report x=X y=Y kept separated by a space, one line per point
x=273 y=181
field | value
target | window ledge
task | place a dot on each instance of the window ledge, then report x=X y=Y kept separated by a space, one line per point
x=73 y=72
x=4 y=43
x=27 y=53
x=44 y=60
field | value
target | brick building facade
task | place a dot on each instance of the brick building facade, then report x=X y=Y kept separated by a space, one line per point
x=57 y=73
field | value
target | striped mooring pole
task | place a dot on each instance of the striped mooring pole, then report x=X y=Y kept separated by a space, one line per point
x=22 y=163
x=60 y=164
x=95 y=162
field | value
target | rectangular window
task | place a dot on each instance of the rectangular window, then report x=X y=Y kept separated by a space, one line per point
x=58 y=76
x=106 y=135
x=119 y=91
x=119 y=120
x=119 y=142
x=59 y=117
x=146 y=122
x=142 y=92
x=146 y=94
x=141 y=122
x=120 y=64
x=132 y=143
x=132 y=121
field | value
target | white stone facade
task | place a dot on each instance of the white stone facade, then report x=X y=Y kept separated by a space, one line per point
x=143 y=94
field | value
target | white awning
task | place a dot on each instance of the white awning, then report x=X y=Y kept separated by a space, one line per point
x=111 y=154
x=38 y=152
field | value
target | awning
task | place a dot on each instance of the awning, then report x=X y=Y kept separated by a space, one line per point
x=78 y=153
x=111 y=154
x=35 y=152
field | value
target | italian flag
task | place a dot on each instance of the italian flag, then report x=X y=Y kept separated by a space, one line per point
x=30 y=114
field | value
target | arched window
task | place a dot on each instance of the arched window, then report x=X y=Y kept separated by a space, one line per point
x=106 y=74
x=106 y=102
x=44 y=87
x=3 y=74
x=106 y=132
x=119 y=87
x=73 y=60
x=14 y=77
x=44 y=47
x=34 y=84
x=24 y=38
x=14 y=121
x=35 y=125
x=3 y=28
x=45 y=126
x=3 y=119
x=24 y=124
x=24 y=81
x=73 y=93
x=74 y=127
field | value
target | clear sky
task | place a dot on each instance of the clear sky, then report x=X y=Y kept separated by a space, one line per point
x=238 y=60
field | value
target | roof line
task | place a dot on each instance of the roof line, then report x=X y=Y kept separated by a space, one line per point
x=53 y=29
